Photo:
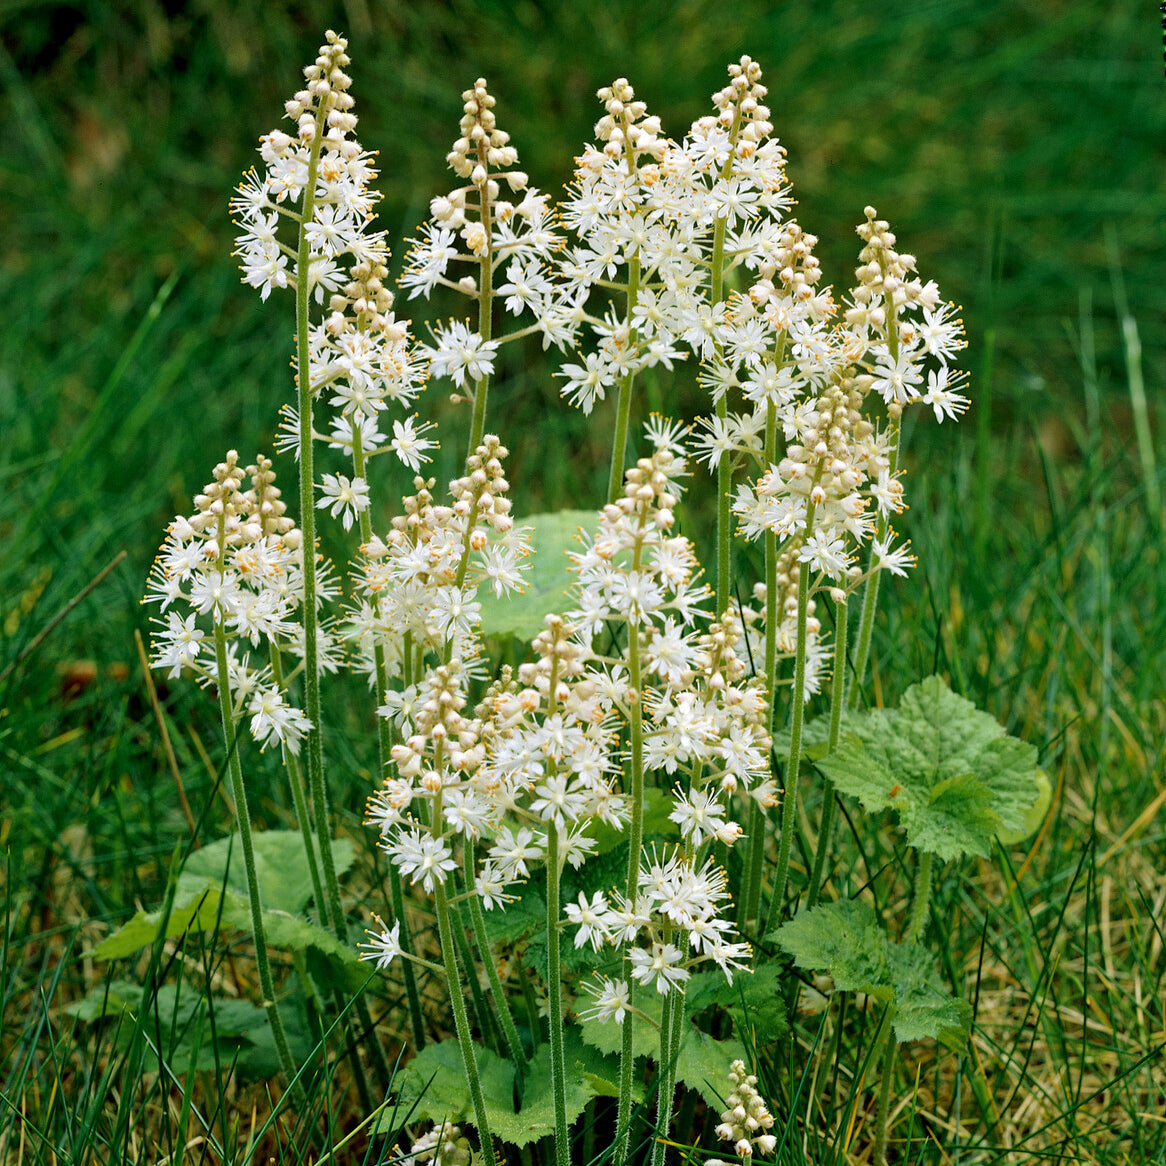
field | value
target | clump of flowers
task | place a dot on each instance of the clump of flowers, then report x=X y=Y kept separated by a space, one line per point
x=490 y=779
x=504 y=247
x=234 y=565
x=745 y=1121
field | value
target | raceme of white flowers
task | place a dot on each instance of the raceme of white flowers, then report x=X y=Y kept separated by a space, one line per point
x=660 y=252
x=235 y=562
x=361 y=356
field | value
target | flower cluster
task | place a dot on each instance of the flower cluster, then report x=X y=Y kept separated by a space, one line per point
x=316 y=185
x=504 y=246
x=235 y=564
x=745 y=1121
x=835 y=489
x=675 y=898
x=417 y=586
x=673 y=218
x=443 y=1145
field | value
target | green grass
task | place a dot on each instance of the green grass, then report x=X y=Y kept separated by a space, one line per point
x=1016 y=148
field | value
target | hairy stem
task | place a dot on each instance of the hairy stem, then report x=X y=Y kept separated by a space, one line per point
x=243 y=821
x=319 y=793
x=462 y=1024
x=837 y=700
x=555 y=1000
x=384 y=746
x=635 y=842
x=789 y=807
x=505 y=1018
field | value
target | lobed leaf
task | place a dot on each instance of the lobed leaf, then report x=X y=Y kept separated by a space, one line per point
x=844 y=939
x=951 y=773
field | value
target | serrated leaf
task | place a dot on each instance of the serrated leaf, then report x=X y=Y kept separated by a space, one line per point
x=548 y=583
x=845 y=940
x=435 y=1082
x=952 y=774
x=703 y=1064
x=753 y=1000
x=281 y=867
x=536 y=1118
x=924 y=1008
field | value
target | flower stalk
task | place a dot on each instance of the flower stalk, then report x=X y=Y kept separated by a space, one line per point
x=254 y=901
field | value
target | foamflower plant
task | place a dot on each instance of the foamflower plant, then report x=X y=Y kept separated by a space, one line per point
x=588 y=838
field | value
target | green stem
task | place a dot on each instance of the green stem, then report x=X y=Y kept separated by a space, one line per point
x=837 y=700
x=671 y=1034
x=469 y=1061
x=724 y=469
x=384 y=748
x=870 y=598
x=555 y=1000
x=879 y=1153
x=635 y=842
x=296 y=781
x=243 y=821
x=319 y=793
x=750 y=906
x=509 y=1031
x=789 y=807
x=663 y=1097
x=921 y=905
x=485 y=313
x=623 y=410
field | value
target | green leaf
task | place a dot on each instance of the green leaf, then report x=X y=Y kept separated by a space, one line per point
x=607 y=1036
x=203 y=906
x=845 y=940
x=955 y=778
x=281 y=867
x=754 y=1001
x=703 y=1064
x=923 y=1006
x=196 y=910
x=548 y=583
x=1035 y=816
x=436 y=1081
x=241 y=1032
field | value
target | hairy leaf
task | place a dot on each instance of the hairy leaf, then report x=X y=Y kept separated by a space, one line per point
x=955 y=778
x=844 y=939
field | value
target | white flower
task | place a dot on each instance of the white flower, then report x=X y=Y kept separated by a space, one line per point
x=461 y=354
x=590 y=916
x=660 y=965
x=409 y=444
x=698 y=816
x=613 y=999
x=178 y=646
x=347 y=498
x=381 y=946
x=941 y=398
x=273 y=719
x=423 y=858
